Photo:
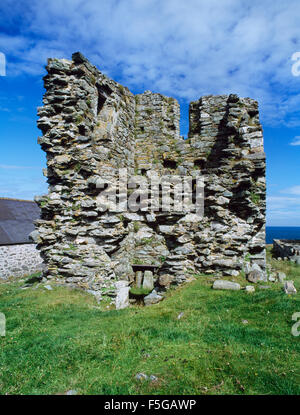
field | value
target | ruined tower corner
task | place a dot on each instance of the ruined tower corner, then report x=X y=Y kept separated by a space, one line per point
x=91 y=128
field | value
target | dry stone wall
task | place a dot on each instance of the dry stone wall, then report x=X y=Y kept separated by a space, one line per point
x=92 y=127
x=287 y=249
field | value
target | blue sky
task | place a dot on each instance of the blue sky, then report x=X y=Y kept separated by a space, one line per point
x=179 y=48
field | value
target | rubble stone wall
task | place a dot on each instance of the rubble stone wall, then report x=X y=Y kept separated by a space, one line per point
x=227 y=144
x=19 y=260
x=92 y=127
x=287 y=249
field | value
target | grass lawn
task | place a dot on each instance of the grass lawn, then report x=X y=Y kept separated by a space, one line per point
x=60 y=340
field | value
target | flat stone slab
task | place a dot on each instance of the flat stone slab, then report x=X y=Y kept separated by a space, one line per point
x=138 y=279
x=122 y=299
x=226 y=285
x=148 y=283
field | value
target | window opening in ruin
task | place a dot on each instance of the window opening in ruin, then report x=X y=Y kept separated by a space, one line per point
x=170 y=164
x=103 y=93
x=101 y=101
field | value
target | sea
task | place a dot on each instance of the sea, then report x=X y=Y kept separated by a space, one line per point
x=282 y=232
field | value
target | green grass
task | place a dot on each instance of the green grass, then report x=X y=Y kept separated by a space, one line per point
x=292 y=270
x=61 y=339
x=139 y=291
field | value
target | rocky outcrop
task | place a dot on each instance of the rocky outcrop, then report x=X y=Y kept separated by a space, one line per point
x=93 y=127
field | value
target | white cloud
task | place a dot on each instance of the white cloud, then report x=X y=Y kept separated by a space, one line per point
x=14 y=167
x=282 y=201
x=184 y=49
x=283 y=211
x=294 y=190
x=296 y=141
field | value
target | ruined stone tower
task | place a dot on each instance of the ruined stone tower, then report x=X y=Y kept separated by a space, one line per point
x=92 y=127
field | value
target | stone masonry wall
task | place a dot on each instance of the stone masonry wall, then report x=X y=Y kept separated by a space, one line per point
x=92 y=127
x=287 y=249
x=227 y=144
x=19 y=260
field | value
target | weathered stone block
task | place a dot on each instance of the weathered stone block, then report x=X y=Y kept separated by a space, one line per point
x=165 y=280
x=226 y=285
x=289 y=287
x=148 y=282
x=254 y=276
x=122 y=299
x=139 y=279
x=153 y=298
